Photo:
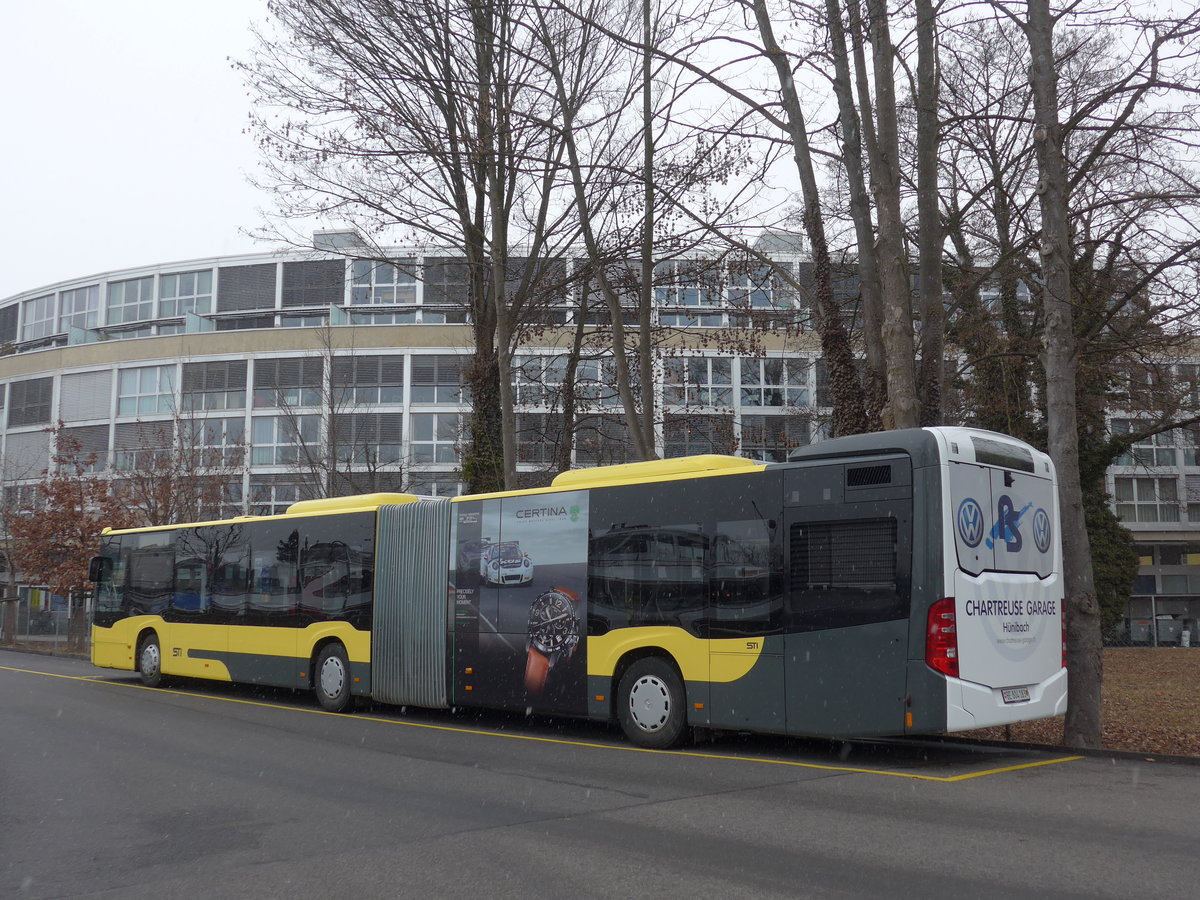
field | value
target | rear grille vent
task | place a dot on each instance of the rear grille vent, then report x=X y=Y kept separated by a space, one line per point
x=868 y=476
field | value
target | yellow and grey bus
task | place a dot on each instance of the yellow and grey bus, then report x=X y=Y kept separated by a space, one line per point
x=904 y=582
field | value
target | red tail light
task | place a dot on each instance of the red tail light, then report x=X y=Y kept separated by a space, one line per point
x=1064 y=638
x=941 y=638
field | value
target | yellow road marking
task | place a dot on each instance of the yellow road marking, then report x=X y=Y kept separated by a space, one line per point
x=849 y=770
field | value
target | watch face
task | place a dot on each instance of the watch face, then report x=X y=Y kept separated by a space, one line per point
x=553 y=622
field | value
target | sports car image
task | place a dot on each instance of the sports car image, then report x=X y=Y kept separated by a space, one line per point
x=504 y=563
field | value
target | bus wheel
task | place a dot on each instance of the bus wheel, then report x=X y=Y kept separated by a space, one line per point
x=331 y=678
x=150 y=661
x=650 y=704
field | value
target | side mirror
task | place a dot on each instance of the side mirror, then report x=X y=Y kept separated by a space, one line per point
x=99 y=568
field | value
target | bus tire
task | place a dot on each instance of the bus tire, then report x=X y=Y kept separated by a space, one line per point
x=331 y=678
x=651 y=704
x=149 y=660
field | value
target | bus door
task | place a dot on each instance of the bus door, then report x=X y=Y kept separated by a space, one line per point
x=848 y=560
x=744 y=621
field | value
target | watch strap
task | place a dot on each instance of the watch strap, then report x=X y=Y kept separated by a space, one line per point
x=537 y=665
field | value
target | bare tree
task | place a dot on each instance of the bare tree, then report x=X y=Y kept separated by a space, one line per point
x=420 y=120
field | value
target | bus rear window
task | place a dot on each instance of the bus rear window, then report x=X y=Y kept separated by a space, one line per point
x=997 y=453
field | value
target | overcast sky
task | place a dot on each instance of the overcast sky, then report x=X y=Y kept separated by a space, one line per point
x=124 y=140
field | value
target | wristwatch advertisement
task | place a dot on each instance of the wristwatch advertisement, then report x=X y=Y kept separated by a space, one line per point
x=553 y=634
x=520 y=604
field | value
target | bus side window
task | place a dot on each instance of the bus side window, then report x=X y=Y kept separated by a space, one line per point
x=274 y=590
x=744 y=596
x=647 y=575
x=229 y=580
x=151 y=577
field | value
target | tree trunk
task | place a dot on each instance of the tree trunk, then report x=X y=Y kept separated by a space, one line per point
x=875 y=387
x=901 y=410
x=849 y=416
x=929 y=225
x=1083 y=726
x=645 y=344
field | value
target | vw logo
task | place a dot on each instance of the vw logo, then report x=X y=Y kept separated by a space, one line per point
x=970 y=522
x=1041 y=530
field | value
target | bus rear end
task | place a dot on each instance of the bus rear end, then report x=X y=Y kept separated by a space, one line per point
x=997 y=633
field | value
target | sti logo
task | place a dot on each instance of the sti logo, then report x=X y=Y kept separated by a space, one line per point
x=1041 y=530
x=970 y=522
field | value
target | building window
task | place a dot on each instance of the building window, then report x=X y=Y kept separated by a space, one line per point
x=750 y=286
x=687 y=296
x=368 y=380
x=217 y=442
x=430 y=484
x=538 y=380
x=1192 y=486
x=384 y=283
x=146 y=390
x=288 y=382
x=698 y=381
x=271 y=495
x=760 y=296
x=243 y=288
x=314 y=320
x=214 y=385
x=824 y=391
x=142 y=446
x=1155 y=450
x=80 y=308
x=37 y=318
x=774 y=382
x=772 y=438
x=367 y=439
x=1187 y=379
x=435 y=437
x=86 y=445
x=130 y=301
x=245 y=323
x=383 y=318
x=29 y=402
x=1147 y=499
x=602 y=441
x=278 y=439
x=185 y=292
x=320 y=282
x=447 y=281
x=691 y=435
x=125 y=333
x=1188 y=439
x=596 y=382
x=437 y=379
x=539 y=436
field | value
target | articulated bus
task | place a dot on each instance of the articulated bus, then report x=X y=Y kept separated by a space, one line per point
x=906 y=582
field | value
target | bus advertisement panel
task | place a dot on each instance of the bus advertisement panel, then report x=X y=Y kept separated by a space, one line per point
x=521 y=601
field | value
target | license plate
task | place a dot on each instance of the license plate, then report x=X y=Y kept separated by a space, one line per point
x=1015 y=695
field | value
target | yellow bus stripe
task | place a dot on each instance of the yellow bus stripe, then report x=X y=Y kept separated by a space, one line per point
x=849 y=770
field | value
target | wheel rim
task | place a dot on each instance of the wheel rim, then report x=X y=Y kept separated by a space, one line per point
x=333 y=677
x=150 y=659
x=650 y=703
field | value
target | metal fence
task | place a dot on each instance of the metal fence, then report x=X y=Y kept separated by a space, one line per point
x=35 y=621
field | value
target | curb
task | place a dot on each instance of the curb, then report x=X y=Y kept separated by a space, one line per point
x=1132 y=755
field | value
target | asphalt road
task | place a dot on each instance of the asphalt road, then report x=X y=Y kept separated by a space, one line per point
x=108 y=789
